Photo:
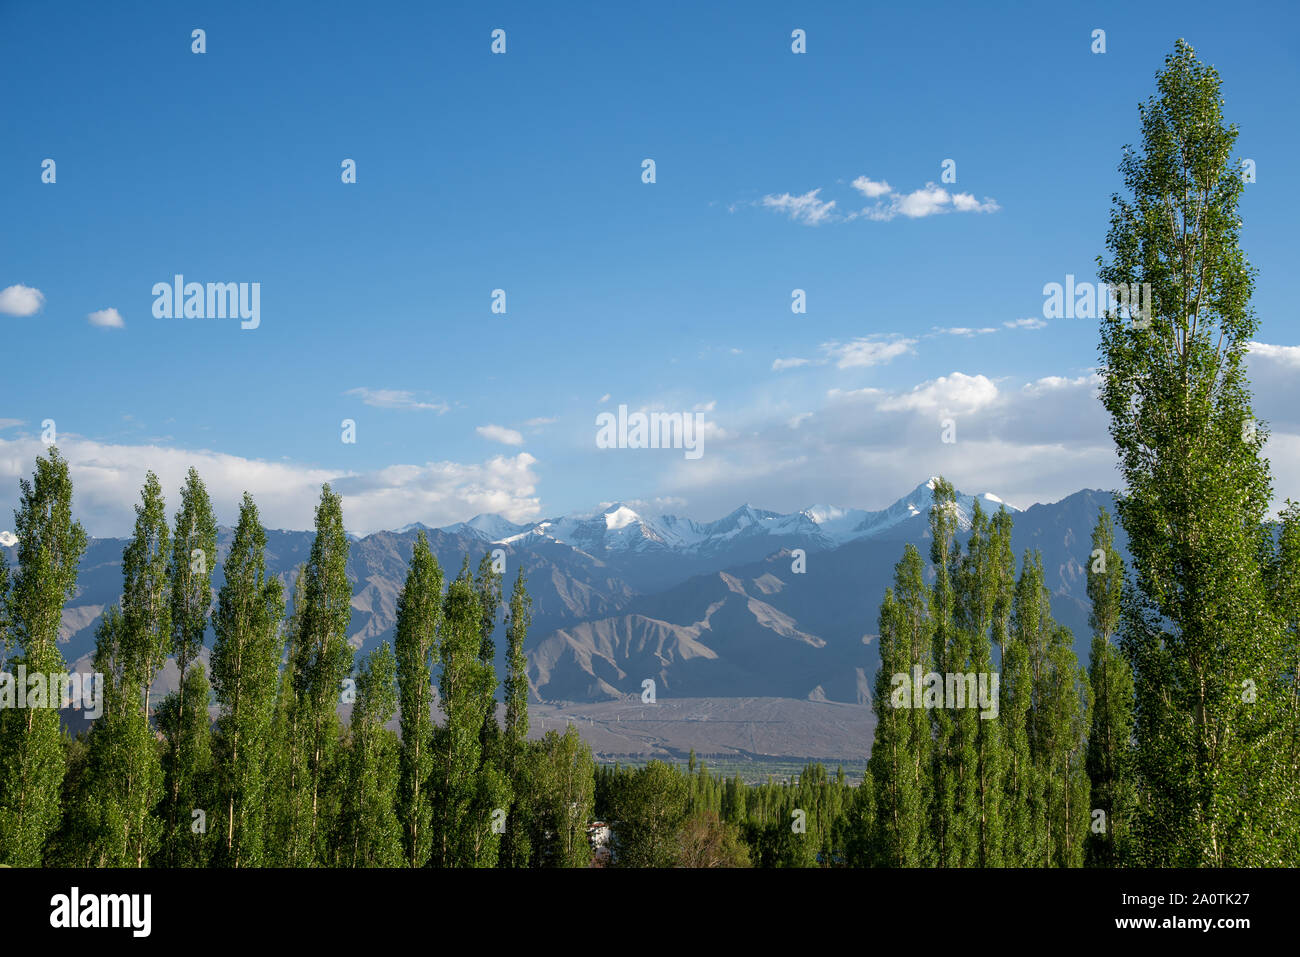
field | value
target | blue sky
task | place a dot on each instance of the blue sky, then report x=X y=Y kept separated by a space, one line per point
x=522 y=172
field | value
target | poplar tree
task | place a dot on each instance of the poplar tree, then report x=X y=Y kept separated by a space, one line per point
x=108 y=806
x=983 y=603
x=487 y=586
x=50 y=545
x=322 y=659
x=1204 y=643
x=516 y=848
x=901 y=753
x=187 y=766
x=419 y=616
x=193 y=557
x=1110 y=736
x=245 y=662
x=468 y=792
x=370 y=833
x=126 y=776
x=949 y=651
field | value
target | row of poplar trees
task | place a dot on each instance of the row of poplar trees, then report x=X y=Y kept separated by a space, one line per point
x=277 y=779
x=1181 y=745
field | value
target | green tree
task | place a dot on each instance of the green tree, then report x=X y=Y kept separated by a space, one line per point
x=1205 y=646
x=649 y=810
x=126 y=780
x=468 y=792
x=321 y=660
x=50 y=545
x=370 y=834
x=187 y=766
x=516 y=849
x=1110 y=737
x=559 y=796
x=193 y=557
x=419 y=616
x=949 y=652
x=900 y=765
x=245 y=664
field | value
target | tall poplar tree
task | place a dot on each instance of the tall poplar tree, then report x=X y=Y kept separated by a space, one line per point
x=50 y=545
x=516 y=847
x=322 y=659
x=901 y=753
x=187 y=764
x=468 y=793
x=419 y=616
x=245 y=662
x=1206 y=648
x=193 y=557
x=949 y=652
x=370 y=835
x=126 y=776
x=1110 y=736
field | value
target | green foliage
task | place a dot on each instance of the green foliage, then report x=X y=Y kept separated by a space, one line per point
x=370 y=835
x=556 y=803
x=516 y=848
x=1110 y=752
x=467 y=792
x=1206 y=647
x=50 y=545
x=419 y=616
x=902 y=751
x=193 y=558
x=187 y=771
x=648 y=807
x=245 y=661
x=320 y=659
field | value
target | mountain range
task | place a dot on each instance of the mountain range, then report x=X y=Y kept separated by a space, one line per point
x=721 y=609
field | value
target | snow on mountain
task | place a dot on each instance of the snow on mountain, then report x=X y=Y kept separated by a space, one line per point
x=618 y=527
x=489 y=528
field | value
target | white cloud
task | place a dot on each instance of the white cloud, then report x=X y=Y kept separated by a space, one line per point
x=1283 y=355
x=108 y=318
x=705 y=406
x=806 y=209
x=964 y=331
x=21 y=300
x=540 y=421
x=107 y=480
x=924 y=202
x=604 y=398
x=1030 y=323
x=8 y=539
x=779 y=365
x=395 y=399
x=867 y=352
x=870 y=189
x=1038 y=441
x=498 y=433
x=10 y=423
x=927 y=201
x=811 y=210
x=957 y=393
x=966 y=203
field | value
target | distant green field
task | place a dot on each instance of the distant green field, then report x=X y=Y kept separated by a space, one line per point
x=758 y=771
